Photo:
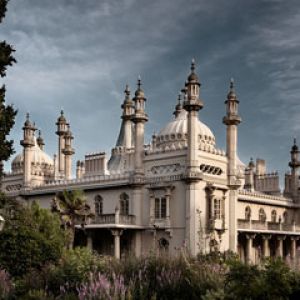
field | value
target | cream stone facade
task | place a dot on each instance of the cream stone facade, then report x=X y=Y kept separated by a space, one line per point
x=180 y=190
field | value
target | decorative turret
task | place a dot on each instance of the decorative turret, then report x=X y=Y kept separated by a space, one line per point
x=231 y=120
x=128 y=110
x=294 y=164
x=232 y=117
x=68 y=151
x=139 y=118
x=249 y=176
x=178 y=107
x=40 y=141
x=27 y=142
x=61 y=130
x=193 y=103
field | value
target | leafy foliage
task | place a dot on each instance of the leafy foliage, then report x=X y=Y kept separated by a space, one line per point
x=7 y=112
x=72 y=207
x=32 y=236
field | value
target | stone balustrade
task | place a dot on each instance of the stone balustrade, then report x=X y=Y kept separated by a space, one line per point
x=266 y=226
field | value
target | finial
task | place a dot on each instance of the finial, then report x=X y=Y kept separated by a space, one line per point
x=62 y=112
x=295 y=141
x=40 y=133
x=27 y=116
x=193 y=65
x=139 y=82
x=127 y=90
x=179 y=99
x=231 y=84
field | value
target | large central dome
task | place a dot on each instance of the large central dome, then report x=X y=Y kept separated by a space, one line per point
x=174 y=134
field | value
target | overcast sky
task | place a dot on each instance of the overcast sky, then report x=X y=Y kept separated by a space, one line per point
x=79 y=55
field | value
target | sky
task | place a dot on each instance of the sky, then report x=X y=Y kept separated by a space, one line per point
x=79 y=55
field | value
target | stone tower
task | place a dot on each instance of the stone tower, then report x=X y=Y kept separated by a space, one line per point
x=27 y=143
x=232 y=120
x=61 y=130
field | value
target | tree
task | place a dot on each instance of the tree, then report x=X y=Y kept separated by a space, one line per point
x=7 y=112
x=73 y=209
x=32 y=236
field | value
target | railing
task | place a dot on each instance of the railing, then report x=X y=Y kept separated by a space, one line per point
x=266 y=226
x=114 y=219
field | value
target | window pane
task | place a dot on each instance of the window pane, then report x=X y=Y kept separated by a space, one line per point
x=157 y=208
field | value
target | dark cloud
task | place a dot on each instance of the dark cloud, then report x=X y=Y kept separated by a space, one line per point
x=79 y=55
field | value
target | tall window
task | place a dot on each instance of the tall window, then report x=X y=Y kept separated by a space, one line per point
x=160 y=208
x=262 y=215
x=248 y=213
x=124 y=204
x=98 y=205
x=273 y=216
x=217 y=209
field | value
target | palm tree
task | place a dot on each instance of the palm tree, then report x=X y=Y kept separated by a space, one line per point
x=72 y=207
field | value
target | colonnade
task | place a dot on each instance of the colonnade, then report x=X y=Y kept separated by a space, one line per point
x=255 y=246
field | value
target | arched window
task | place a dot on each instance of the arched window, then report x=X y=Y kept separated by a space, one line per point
x=124 y=204
x=262 y=215
x=273 y=216
x=98 y=205
x=285 y=217
x=248 y=213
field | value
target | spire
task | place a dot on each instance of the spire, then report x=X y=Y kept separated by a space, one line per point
x=192 y=85
x=139 y=92
x=251 y=164
x=178 y=107
x=40 y=141
x=232 y=116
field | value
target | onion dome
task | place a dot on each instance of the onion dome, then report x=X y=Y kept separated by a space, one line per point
x=39 y=159
x=139 y=93
x=193 y=78
x=61 y=118
x=295 y=147
x=177 y=131
x=178 y=107
x=40 y=140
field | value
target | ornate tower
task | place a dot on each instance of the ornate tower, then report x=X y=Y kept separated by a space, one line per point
x=127 y=107
x=139 y=118
x=294 y=165
x=178 y=107
x=232 y=120
x=27 y=143
x=192 y=104
x=68 y=151
x=61 y=130
x=40 y=141
x=195 y=188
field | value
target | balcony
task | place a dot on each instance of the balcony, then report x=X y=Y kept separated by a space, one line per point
x=266 y=226
x=114 y=219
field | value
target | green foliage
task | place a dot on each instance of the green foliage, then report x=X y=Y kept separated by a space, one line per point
x=7 y=112
x=73 y=269
x=72 y=208
x=32 y=236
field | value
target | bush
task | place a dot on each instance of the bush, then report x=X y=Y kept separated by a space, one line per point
x=31 y=238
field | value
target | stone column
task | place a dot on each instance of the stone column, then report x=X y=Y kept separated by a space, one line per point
x=266 y=247
x=249 y=248
x=168 y=196
x=117 y=234
x=293 y=247
x=279 y=250
x=89 y=241
x=152 y=207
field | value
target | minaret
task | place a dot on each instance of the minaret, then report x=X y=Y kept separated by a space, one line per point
x=139 y=118
x=249 y=176
x=294 y=165
x=127 y=107
x=61 y=130
x=68 y=151
x=195 y=189
x=27 y=143
x=192 y=104
x=232 y=120
x=40 y=141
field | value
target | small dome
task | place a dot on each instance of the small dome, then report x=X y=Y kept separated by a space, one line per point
x=177 y=130
x=61 y=118
x=39 y=157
